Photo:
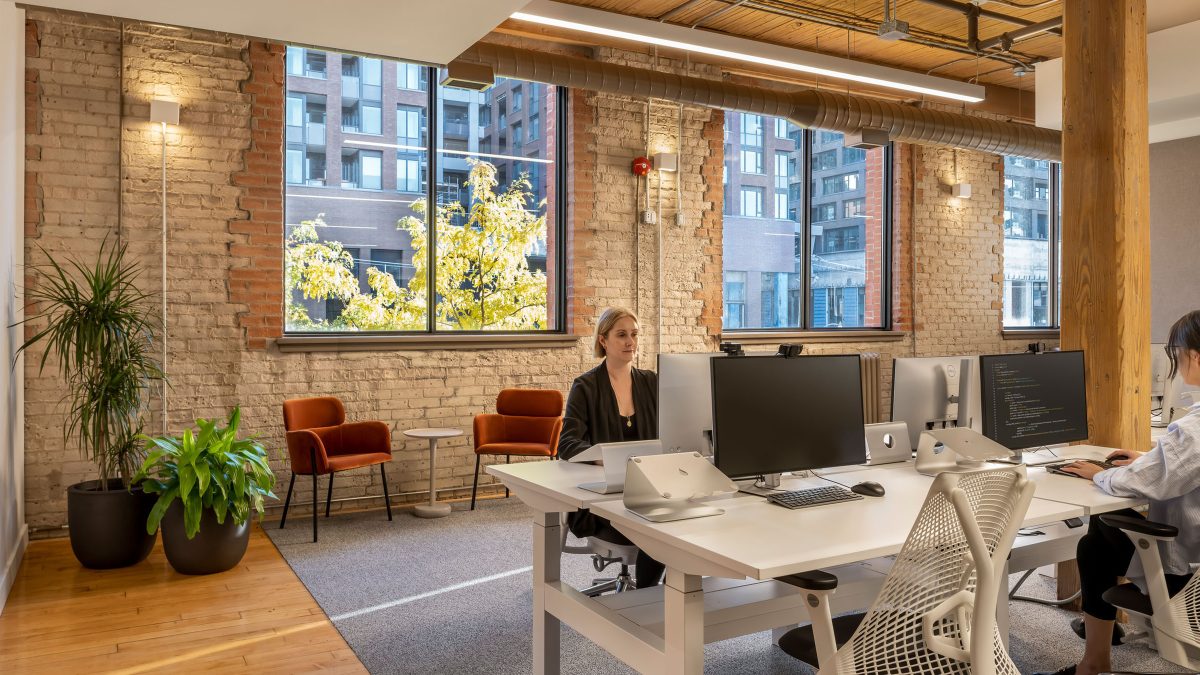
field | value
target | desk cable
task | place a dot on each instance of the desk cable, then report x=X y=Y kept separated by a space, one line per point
x=829 y=479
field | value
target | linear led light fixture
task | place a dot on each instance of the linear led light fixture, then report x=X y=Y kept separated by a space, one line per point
x=597 y=22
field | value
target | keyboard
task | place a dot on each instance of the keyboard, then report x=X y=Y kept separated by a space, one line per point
x=1057 y=466
x=799 y=499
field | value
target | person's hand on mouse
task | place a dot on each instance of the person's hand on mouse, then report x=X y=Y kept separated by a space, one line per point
x=1082 y=469
x=1123 y=457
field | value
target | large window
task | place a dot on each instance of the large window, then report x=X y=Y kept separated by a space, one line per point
x=1031 y=236
x=818 y=260
x=389 y=236
x=751 y=138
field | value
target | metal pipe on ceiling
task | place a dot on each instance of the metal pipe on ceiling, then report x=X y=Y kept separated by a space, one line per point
x=807 y=108
x=964 y=7
x=1005 y=40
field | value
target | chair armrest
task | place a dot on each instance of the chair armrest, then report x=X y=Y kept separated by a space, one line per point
x=365 y=436
x=815 y=580
x=557 y=431
x=1141 y=526
x=303 y=446
x=488 y=428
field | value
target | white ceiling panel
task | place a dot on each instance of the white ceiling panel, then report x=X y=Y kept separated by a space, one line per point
x=417 y=30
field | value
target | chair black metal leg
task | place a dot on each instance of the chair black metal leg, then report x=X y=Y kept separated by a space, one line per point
x=507 y=460
x=314 y=507
x=329 y=494
x=475 y=484
x=287 y=502
x=387 y=499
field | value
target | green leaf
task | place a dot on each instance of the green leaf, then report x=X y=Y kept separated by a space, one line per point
x=159 y=509
x=192 y=510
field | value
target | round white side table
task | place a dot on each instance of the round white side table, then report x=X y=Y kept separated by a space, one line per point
x=433 y=509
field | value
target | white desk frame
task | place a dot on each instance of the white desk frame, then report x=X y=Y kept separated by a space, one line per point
x=729 y=546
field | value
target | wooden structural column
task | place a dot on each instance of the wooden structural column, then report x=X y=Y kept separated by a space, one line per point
x=1106 y=214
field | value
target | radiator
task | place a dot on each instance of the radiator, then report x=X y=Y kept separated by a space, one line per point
x=872 y=387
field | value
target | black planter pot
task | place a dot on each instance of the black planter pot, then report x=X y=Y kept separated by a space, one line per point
x=216 y=547
x=108 y=527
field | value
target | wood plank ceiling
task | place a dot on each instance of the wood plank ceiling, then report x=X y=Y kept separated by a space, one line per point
x=794 y=23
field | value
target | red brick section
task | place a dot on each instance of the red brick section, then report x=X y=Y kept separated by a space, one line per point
x=581 y=201
x=711 y=287
x=256 y=254
x=902 y=233
x=872 y=315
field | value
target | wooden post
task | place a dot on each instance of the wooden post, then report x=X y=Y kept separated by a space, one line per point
x=1106 y=219
x=1106 y=214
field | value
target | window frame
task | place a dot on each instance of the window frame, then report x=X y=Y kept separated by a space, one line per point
x=1053 y=243
x=804 y=208
x=300 y=340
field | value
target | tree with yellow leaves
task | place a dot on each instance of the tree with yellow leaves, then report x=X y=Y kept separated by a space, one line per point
x=483 y=280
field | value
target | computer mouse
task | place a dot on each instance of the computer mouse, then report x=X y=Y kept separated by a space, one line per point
x=868 y=488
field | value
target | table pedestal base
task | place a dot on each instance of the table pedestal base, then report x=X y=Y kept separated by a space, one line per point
x=432 y=510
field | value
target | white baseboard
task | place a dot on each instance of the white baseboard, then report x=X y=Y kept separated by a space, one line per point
x=8 y=576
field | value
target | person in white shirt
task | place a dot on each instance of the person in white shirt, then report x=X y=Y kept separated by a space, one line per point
x=1169 y=478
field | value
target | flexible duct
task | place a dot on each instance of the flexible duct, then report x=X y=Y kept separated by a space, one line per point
x=807 y=108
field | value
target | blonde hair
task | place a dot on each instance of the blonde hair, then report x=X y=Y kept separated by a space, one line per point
x=609 y=318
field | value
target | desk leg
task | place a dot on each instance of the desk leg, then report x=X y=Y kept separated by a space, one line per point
x=547 y=555
x=1002 y=607
x=683 y=615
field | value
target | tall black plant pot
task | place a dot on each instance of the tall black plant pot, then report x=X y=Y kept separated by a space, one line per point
x=108 y=527
x=216 y=547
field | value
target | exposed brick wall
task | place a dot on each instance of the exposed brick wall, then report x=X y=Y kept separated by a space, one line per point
x=89 y=143
x=256 y=274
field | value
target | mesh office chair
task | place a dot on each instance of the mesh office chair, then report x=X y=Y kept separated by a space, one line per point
x=1172 y=623
x=936 y=612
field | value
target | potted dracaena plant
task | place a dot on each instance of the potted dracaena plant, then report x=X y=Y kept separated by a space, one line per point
x=100 y=328
x=207 y=482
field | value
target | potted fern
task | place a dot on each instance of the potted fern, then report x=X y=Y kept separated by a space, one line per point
x=100 y=327
x=208 y=481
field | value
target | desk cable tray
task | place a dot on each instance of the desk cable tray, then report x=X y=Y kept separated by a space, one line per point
x=660 y=488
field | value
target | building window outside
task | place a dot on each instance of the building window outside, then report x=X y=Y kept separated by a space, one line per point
x=303 y=62
x=735 y=300
x=1030 y=238
x=352 y=256
x=782 y=128
x=751 y=138
x=817 y=260
x=752 y=202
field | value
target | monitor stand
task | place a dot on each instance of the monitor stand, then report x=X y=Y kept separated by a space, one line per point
x=771 y=480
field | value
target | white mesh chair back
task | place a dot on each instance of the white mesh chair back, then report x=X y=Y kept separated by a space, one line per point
x=936 y=612
x=1183 y=614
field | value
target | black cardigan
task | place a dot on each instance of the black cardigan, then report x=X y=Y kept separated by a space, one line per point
x=592 y=414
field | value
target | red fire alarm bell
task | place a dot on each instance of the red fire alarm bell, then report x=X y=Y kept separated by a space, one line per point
x=641 y=166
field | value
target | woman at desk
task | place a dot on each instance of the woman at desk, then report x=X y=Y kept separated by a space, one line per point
x=1169 y=478
x=610 y=403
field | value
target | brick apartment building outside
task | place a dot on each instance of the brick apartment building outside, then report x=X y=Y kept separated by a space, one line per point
x=357 y=151
x=765 y=202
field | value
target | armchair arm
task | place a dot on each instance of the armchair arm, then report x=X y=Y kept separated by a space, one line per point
x=817 y=586
x=305 y=448
x=365 y=436
x=488 y=428
x=1141 y=526
x=815 y=580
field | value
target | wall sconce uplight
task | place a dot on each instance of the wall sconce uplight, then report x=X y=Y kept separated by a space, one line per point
x=666 y=161
x=961 y=190
x=164 y=111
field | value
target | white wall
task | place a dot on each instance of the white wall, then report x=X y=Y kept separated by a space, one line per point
x=1174 y=223
x=14 y=534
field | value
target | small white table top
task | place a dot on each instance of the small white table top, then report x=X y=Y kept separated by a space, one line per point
x=433 y=433
x=756 y=539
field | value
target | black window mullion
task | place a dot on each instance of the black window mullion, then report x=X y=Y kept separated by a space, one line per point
x=1053 y=237
x=886 y=229
x=431 y=100
x=806 y=262
x=560 y=210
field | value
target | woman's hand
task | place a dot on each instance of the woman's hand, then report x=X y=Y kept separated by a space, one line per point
x=1123 y=457
x=1083 y=469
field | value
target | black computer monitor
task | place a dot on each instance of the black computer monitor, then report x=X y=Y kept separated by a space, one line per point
x=1030 y=400
x=773 y=414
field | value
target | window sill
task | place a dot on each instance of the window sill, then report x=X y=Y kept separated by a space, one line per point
x=387 y=343
x=771 y=337
x=1019 y=333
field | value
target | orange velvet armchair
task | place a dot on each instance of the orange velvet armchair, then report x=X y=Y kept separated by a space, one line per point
x=526 y=423
x=320 y=441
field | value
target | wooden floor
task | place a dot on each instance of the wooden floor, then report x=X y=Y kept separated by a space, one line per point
x=61 y=618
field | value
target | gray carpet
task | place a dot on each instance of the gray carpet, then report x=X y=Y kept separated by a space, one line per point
x=384 y=585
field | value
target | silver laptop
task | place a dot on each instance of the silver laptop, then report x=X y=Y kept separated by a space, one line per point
x=615 y=457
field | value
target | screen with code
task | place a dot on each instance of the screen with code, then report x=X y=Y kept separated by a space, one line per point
x=1031 y=400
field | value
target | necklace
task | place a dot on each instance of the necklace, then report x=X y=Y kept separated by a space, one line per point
x=628 y=421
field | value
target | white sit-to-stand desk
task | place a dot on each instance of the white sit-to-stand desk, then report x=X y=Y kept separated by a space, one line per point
x=751 y=540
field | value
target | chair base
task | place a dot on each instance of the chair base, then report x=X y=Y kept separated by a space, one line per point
x=622 y=582
x=431 y=510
